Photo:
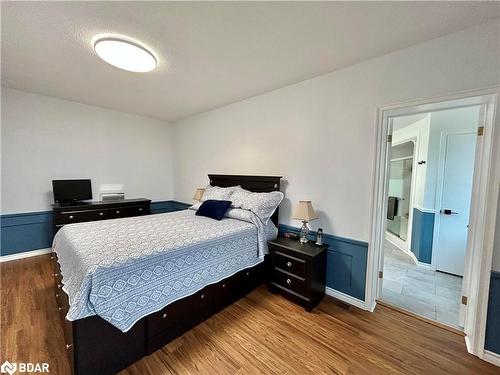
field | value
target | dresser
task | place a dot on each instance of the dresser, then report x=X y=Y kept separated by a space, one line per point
x=298 y=271
x=93 y=211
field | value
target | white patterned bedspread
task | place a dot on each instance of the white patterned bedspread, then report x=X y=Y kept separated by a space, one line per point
x=125 y=269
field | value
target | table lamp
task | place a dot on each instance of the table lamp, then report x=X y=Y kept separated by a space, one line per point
x=198 y=194
x=304 y=211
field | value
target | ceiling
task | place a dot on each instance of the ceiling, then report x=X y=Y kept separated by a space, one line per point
x=210 y=53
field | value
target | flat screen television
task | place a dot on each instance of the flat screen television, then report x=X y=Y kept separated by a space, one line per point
x=71 y=191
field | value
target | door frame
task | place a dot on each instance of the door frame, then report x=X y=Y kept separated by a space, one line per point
x=483 y=204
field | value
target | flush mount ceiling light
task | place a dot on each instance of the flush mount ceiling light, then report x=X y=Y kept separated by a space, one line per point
x=125 y=54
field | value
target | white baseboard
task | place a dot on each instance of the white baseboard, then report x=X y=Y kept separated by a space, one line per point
x=347 y=299
x=491 y=357
x=26 y=254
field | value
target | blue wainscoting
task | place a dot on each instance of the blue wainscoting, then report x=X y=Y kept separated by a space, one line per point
x=422 y=234
x=33 y=230
x=167 y=206
x=492 y=339
x=25 y=231
x=346 y=263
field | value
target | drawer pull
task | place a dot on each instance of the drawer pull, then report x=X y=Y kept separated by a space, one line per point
x=140 y=209
x=71 y=216
x=223 y=285
x=288 y=264
x=117 y=211
x=59 y=308
x=248 y=273
x=55 y=274
x=101 y=213
x=59 y=286
x=288 y=281
x=57 y=295
x=164 y=316
x=68 y=346
x=202 y=296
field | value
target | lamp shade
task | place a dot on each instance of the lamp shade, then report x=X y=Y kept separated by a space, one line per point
x=198 y=194
x=304 y=211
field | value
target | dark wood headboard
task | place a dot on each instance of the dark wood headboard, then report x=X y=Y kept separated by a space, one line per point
x=258 y=184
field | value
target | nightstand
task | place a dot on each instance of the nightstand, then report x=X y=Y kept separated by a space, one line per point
x=298 y=271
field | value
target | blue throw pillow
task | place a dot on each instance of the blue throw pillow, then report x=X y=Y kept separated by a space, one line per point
x=213 y=209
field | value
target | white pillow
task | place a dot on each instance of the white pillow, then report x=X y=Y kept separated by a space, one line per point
x=261 y=204
x=218 y=193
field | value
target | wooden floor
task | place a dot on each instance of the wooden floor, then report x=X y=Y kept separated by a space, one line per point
x=260 y=334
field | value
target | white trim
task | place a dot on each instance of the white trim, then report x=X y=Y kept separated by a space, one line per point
x=428 y=210
x=347 y=298
x=491 y=357
x=25 y=254
x=483 y=207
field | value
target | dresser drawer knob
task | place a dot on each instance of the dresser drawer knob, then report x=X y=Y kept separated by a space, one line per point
x=140 y=209
x=223 y=285
x=101 y=213
x=57 y=295
x=59 y=286
x=55 y=274
x=59 y=308
x=71 y=216
x=202 y=296
x=288 y=281
x=68 y=346
x=288 y=264
x=164 y=316
x=117 y=211
x=248 y=273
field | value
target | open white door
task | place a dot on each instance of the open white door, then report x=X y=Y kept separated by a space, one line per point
x=458 y=174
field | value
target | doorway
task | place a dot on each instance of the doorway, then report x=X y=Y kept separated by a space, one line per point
x=424 y=253
x=432 y=187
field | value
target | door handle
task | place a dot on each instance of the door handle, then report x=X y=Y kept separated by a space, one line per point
x=447 y=211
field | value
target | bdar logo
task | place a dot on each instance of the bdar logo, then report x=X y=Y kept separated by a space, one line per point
x=8 y=368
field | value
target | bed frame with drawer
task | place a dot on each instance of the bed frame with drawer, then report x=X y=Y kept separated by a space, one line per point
x=94 y=346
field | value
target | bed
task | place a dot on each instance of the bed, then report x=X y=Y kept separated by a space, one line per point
x=126 y=287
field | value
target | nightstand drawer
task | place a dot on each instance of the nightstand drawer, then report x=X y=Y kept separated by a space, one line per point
x=289 y=281
x=289 y=263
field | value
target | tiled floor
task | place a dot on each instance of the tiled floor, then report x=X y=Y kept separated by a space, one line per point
x=432 y=294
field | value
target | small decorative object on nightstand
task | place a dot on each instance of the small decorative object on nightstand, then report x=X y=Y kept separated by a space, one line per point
x=304 y=211
x=298 y=271
x=198 y=194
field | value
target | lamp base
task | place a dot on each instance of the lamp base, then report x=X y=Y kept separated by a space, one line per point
x=304 y=230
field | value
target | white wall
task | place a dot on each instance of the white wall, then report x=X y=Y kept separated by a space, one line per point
x=320 y=134
x=45 y=138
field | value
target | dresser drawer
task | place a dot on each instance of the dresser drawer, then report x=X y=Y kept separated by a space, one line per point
x=289 y=281
x=194 y=307
x=128 y=211
x=81 y=216
x=289 y=263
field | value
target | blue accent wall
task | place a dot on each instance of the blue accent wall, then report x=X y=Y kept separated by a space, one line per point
x=33 y=230
x=492 y=339
x=422 y=234
x=346 y=262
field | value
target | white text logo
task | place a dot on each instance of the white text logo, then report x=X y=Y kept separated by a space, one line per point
x=23 y=367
